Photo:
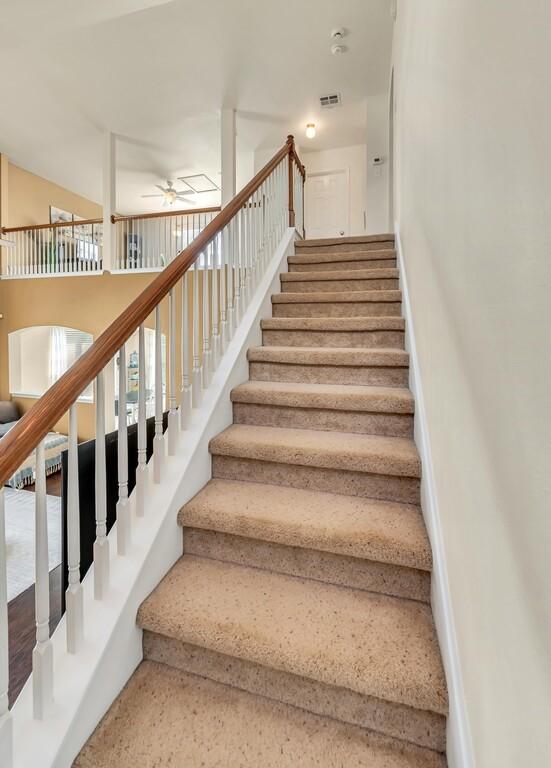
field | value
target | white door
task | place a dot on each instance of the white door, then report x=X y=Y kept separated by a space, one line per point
x=326 y=204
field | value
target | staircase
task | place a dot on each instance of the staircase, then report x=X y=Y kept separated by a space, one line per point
x=296 y=630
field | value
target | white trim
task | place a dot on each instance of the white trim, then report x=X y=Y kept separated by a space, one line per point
x=86 y=683
x=458 y=736
x=37 y=276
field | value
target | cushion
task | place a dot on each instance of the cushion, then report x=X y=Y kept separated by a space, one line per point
x=8 y=411
x=6 y=427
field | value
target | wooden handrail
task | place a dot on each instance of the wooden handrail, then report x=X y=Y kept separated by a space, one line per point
x=23 y=438
x=161 y=214
x=57 y=225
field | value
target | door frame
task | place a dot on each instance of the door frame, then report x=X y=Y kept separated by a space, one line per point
x=346 y=171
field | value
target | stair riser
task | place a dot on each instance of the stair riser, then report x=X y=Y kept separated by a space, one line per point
x=423 y=728
x=356 y=339
x=317 y=286
x=331 y=568
x=329 y=374
x=330 y=266
x=374 y=486
x=381 y=245
x=339 y=309
x=361 y=422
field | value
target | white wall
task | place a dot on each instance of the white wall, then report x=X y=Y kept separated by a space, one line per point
x=473 y=205
x=377 y=176
x=354 y=159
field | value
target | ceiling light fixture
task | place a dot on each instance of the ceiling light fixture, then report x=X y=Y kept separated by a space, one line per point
x=310 y=130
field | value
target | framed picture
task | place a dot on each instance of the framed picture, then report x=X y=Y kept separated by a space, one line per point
x=58 y=214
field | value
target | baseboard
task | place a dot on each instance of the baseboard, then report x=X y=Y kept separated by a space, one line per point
x=459 y=743
x=86 y=684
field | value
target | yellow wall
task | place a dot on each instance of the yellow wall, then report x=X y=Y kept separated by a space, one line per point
x=29 y=198
x=88 y=303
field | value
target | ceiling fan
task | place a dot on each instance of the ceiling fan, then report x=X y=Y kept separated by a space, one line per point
x=171 y=195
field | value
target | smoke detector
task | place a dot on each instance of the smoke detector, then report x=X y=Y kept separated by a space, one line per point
x=337 y=49
x=338 y=34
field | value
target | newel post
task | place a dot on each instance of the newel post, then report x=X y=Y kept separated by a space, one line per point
x=291 y=145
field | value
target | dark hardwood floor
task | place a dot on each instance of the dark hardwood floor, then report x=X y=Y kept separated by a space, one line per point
x=22 y=631
x=21 y=615
x=53 y=485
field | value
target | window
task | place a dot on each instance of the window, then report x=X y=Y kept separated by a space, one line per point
x=132 y=360
x=40 y=355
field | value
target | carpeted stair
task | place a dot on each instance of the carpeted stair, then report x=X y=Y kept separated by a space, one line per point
x=296 y=630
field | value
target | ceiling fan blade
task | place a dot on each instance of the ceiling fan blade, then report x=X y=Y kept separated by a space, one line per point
x=185 y=200
x=183 y=192
x=163 y=190
x=152 y=195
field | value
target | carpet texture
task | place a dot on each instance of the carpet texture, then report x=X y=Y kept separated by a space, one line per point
x=297 y=630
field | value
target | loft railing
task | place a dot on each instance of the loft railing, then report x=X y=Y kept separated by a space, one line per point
x=149 y=242
x=234 y=250
x=145 y=243
x=64 y=248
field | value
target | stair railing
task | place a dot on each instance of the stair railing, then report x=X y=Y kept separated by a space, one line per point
x=210 y=283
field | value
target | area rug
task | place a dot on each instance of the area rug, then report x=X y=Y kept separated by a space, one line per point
x=19 y=507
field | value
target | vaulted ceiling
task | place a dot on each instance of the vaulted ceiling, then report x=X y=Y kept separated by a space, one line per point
x=157 y=72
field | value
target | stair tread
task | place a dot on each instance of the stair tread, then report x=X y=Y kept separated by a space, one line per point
x=343 y=397
x=396 y=456
x=333 y=323
x=330 y=297
x=386 y=532
x=168 y=717
x=309 y=243
x=377 y=273
x=336 y=256
x=373 y=644
x=346 y=356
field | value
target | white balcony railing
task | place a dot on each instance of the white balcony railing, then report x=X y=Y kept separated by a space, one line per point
x=151 y=241
x=54 y=249
x=142 y=243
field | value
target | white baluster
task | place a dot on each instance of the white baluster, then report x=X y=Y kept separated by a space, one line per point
x=197 y=374
x=141 y=469
x=101 y=544
x=207 y=362
x=158 y=440
x=6 y=726
x=185 y=392
x=43 y=672
x=222 y=259
x=238 y=268
x=123 y=504
x=73 y=595
x=172 y=411
x=230 y=279
x=243 y=261
x=215 y=312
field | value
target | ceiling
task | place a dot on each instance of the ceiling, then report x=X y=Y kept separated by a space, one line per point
x=157 y=72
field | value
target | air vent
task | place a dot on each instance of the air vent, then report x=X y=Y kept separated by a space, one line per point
x=332 y=100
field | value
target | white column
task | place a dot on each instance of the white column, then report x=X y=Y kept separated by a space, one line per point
x=172 y=412
x=228 y=155
x=73 y=595
x=43 y=680
x=6 y=729
x=109 y=199
x=101 y=544
x=123 y=505
x=158 y=440
x=141 y=469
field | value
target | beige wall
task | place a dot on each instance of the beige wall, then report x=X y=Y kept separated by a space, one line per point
x=87 y=303
x=29 y=198
x=473 y=203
